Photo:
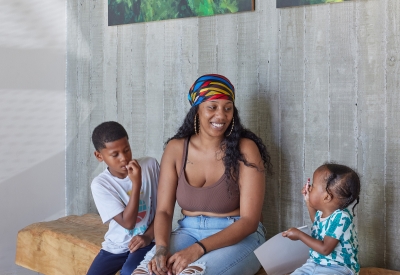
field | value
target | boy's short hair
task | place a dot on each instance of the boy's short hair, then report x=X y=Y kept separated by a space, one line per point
x=107 y=132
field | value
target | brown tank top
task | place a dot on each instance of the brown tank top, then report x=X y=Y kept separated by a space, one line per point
x=220 y=197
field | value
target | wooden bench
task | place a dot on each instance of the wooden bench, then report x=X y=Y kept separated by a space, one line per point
x=67 y=246
x=64 y=246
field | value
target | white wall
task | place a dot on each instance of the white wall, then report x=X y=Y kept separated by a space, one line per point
x=32 y=119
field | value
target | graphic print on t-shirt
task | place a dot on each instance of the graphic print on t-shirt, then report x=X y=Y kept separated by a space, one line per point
x=142 y=211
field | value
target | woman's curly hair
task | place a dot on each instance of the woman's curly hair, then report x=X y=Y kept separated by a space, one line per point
x=230 y=143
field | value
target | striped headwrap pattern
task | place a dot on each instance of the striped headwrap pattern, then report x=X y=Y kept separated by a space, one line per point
x=211 y=87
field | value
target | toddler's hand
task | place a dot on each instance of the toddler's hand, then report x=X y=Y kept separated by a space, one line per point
x=134 y=172
x=306 y=191
x=291 y=233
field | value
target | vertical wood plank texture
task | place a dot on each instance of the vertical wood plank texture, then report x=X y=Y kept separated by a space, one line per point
x=154 y=88
x=227 y=48
x=392 y=188
x=316 y=94
x=139 y=75
x=371 y=153
x=79 y=202
x=174 y=91
x=268 y=106
x=342 y=91
x=291 y=84
x=207 y=54
x=124 y=92
x=247 y=83
x=96 y=89
x=110 y=69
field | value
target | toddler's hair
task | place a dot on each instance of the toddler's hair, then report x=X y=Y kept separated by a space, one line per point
x=107 y=132
x=345 y=183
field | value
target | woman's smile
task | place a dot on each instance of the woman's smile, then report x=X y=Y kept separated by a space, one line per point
x=217 y=125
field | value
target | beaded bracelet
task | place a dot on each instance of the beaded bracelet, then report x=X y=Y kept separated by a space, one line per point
x=202 y=246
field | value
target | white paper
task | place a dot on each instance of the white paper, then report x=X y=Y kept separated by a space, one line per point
x=280 y=255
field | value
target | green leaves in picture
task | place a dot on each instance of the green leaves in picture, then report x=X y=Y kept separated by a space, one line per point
x=291 y=3
x=134 y=11
x=209 y=7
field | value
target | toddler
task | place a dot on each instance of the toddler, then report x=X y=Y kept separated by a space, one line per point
x=333 y=242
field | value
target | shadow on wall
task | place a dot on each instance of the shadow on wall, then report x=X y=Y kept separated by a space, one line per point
x=32 y=119
x=32 y=196
x=260 y=114
x=31 y=129
x=269 y=117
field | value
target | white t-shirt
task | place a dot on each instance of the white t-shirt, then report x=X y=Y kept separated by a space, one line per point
x=111 y=195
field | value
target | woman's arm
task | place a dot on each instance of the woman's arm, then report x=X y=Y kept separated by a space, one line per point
x=166 y=197
x=252 y=188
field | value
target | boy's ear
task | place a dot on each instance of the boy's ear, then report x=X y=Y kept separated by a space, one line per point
x=98 y=156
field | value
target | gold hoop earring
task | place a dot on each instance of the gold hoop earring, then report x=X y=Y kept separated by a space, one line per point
x=195 y=124
x=233 y=124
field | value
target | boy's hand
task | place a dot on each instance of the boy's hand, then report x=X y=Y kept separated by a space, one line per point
x=137 y=242
x=134 y=171
x=292 y=233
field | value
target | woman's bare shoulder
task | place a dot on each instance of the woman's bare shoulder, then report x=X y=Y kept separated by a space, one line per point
x=174 y=148
x=247 y=145
x=250 y=150
x=175 y=144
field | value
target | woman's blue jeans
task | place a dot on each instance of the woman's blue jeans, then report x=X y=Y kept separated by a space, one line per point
x=235 y=259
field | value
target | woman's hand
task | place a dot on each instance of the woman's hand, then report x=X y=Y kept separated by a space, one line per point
x=158 y=265
x=292 y=233
x=138 y=241
x=181 y=259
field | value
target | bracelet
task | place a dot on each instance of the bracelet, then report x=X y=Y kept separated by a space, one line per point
x=202 y=246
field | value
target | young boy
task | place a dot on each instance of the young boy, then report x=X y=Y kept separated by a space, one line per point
x=125 y=194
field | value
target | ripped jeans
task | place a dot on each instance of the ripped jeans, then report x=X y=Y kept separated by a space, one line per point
x=235 y=259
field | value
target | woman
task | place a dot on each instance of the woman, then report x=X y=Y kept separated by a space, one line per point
x=215 y=169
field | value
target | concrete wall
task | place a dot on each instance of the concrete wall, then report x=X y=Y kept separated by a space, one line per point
x=317 y=83
x=32 y=119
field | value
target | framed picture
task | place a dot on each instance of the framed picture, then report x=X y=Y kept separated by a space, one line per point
x=135 y=11
x=291 y=3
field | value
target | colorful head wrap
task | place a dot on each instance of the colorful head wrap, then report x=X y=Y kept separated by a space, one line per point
x=210 y=87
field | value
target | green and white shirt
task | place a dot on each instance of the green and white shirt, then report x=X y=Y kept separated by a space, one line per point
x=338 y=225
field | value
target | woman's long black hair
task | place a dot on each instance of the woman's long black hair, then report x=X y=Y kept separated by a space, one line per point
x=230 y=144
